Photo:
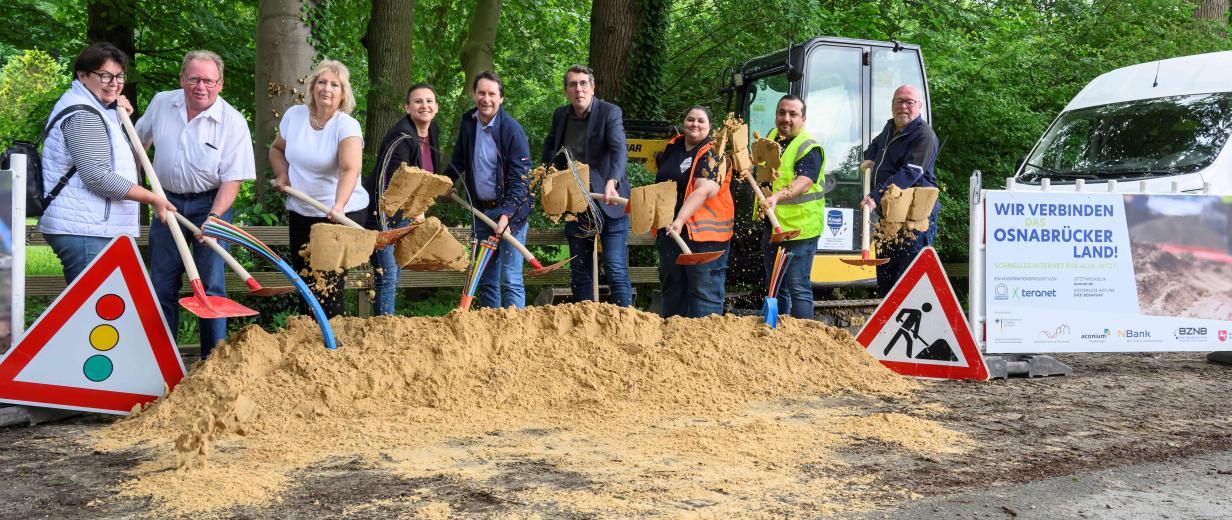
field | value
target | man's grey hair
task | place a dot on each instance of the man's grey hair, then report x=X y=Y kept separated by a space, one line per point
x=202 y=55
x=578 y=69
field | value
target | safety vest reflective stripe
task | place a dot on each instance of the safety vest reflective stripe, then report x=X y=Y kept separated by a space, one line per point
x=807 y=211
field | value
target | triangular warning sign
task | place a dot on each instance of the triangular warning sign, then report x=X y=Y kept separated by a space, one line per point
x=102 y=346
x=919 y=329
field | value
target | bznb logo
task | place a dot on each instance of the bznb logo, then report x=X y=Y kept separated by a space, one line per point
x=1190 y=333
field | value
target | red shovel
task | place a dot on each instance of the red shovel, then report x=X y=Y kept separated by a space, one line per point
x=254 y=287
x=199 y=303
x=779 y=235
x=539 y=268
x=687 y=257
x=383 y=238
x=866 y=257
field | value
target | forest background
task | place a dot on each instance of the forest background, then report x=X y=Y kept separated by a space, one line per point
x=999 y=71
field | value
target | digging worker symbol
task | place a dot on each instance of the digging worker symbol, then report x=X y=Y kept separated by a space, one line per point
x=910 y=320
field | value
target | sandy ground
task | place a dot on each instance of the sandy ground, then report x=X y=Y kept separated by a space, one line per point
x=1151 y=416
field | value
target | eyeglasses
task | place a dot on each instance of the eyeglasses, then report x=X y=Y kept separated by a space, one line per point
x=906 y=102
x=209 y=83
x=575 y=85
x=108 y=78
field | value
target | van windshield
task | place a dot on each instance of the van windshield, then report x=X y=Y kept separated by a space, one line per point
x=1133 y=140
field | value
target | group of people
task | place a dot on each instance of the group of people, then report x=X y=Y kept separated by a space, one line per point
x=203 y=153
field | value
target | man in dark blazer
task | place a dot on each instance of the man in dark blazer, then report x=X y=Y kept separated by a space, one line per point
x=493 y=156
x=593 y=132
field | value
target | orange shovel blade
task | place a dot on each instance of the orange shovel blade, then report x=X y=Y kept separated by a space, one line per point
x=780 y=236
x=698 y=258
x=255 y=289
x=214 y=307
x=384 y=238
x=865 y=259
x=545 y=269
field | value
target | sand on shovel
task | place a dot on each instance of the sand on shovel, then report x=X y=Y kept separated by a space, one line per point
x=561 y=193
x=430 y=247
x=333 y=246
x=766 y=158
x=652 y=207
x=413 y=190
x=896 y=203
x=922 y=202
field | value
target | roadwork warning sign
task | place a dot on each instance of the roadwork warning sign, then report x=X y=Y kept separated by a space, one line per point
x=102 y=346
x=919 y=329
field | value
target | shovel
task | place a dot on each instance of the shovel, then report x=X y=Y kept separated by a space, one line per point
x=866 y=258
x=199 y=303
x=779 y=235
x=615 y=200
x=383 y=238
x=539 y=268
x=687 y=257
x=254 y=287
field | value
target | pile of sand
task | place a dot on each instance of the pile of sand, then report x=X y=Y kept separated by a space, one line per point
x=397 y=389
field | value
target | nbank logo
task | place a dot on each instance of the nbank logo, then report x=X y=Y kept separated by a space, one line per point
x=1130 y=333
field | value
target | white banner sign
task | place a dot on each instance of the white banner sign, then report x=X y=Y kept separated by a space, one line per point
x=836 y=231
x=1106 y=272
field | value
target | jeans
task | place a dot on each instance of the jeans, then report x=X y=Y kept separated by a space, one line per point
x=901 y=255
x=385 y=275
x=795 y=296
x=501 y=282
x=75 y=252
x=692 y=291
x=615 y=240
x=167 y=269
x=328 y=287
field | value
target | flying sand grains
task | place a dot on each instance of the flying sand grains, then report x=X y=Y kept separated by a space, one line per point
x=278 y=403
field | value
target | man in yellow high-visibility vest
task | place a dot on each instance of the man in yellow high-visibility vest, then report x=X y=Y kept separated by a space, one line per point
x=798 y=202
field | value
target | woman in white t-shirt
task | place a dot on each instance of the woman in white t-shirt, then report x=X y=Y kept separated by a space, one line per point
x=319 y=152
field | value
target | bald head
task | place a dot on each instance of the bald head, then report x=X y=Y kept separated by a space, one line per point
x=906 y=105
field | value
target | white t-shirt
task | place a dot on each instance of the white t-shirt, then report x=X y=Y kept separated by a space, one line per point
x=198 y=155
x=313 y=158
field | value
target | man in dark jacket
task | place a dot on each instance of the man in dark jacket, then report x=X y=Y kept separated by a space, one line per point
x=493 y=156
x=594 y=133
x=903 y=154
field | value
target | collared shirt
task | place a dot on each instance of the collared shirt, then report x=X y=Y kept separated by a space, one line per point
x=808 y=165
x=486 y=154
x=575 y=133
x=198 y=155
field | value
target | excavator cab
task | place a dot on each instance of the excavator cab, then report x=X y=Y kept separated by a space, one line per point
x=847 y=86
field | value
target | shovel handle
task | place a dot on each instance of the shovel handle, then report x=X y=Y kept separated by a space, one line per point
x=615 y=200
x=508 y=237
x=190 y=267
x=303 y=197
x=214 y=245
x=761 y=198
x=684 y=248
x=864 y=227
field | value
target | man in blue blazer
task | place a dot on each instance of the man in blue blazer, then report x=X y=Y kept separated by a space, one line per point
x=593 y=132
x=493 y=156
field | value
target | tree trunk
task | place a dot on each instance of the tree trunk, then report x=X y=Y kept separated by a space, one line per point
x=476 y=53
x=283 y=61
x=1212 y=10
x=113 y=21
x=612 y=26
x=390 y=44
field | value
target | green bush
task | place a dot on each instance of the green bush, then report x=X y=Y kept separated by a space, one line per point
x=30 y=84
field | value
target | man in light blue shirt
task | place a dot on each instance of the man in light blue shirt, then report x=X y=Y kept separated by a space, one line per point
x=493 y=149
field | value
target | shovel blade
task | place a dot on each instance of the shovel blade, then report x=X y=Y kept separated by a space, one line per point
x=548 y=268
x=204 y=306
x=866 y=259
x=698 y=258
x=784 y=235
x=384 y=238
x=271 y=291
x=770 y=310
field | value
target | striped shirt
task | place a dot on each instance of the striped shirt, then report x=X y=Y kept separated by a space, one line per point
x=85 y=137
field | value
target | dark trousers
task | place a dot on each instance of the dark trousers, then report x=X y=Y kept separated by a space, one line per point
x=615 y=258
x=901 y=255
x=327 y=286
x=167 y=269
x=692 y=291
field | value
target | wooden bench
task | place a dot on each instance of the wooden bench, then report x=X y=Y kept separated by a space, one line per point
x=52 y=285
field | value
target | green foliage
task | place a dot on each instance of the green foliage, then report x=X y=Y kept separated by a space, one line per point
x=30 y=84
x=643 y=88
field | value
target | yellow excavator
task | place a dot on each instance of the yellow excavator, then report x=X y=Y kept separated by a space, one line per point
x=847 y=85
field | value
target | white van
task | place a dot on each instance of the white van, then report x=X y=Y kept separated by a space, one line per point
x=1161 y=122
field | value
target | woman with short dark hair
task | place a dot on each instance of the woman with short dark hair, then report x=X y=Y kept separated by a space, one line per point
x=89 y=170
